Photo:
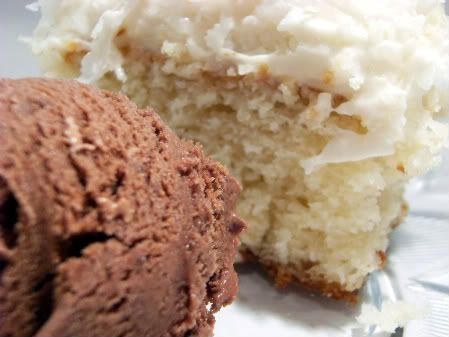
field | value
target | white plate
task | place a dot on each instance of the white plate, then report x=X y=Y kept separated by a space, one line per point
x=418 y=265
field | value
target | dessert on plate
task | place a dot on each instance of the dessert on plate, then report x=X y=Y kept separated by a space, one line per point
x=110 y=225
x=323 y=110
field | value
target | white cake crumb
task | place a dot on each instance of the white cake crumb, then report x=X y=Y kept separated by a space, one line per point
x=393 y=315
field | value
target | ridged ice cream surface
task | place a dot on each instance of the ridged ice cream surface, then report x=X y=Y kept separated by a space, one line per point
x=380 y=55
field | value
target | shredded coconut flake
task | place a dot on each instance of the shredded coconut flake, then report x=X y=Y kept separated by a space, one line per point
x=104 y=55
x=33 y=7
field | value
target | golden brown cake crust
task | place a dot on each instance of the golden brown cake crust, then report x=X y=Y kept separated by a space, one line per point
x=285 y=275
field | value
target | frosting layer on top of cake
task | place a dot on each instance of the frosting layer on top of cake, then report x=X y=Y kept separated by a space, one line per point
x=388 y=59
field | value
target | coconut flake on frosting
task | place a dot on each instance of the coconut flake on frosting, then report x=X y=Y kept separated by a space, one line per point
x=380 y=60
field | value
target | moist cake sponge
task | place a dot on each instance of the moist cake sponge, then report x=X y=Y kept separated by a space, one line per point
x=322 y=109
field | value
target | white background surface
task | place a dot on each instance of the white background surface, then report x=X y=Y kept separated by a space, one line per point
x=16 y=59
x=263 y=311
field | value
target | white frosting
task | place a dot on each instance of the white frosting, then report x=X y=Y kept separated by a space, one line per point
x=388 y=58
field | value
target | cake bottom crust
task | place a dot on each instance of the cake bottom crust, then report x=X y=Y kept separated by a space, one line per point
x=285 y=275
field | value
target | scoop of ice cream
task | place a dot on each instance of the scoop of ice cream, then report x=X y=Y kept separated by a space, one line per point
x=110 y=225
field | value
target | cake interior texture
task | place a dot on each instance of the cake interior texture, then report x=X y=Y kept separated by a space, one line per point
x=323 y=110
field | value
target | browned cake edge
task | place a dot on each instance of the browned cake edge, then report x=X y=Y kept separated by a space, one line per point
x=285 y=275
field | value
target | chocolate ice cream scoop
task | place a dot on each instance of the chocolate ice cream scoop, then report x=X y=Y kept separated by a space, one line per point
x=110 y=225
